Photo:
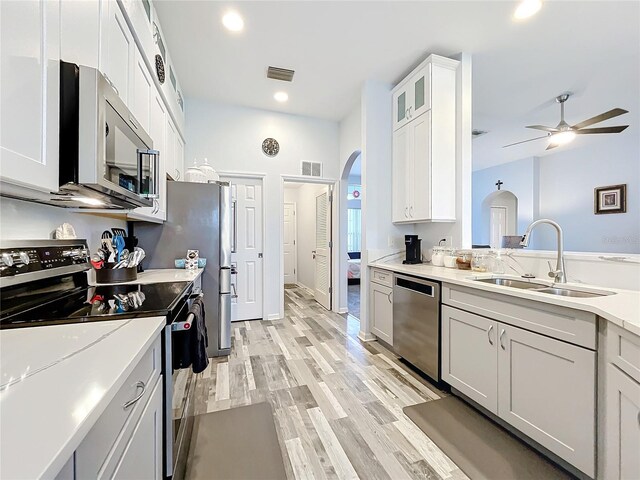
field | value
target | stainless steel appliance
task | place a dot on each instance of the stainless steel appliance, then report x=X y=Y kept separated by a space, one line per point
x=416 y=323
x=44 y=282
x=198 y=218
x=413 y=252
x=106 y=157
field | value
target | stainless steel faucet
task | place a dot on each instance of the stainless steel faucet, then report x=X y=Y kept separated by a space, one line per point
x=559 y=274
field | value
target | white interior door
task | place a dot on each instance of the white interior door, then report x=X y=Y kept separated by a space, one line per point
x=289 y=239
x=497 y=226
x=246 y=254
x=322 y=253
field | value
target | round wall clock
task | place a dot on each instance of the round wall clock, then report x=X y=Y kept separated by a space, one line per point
x=270 y=147
x=160 y=68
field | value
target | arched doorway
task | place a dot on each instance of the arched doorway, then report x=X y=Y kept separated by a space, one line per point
x=499 y=216
x=351 y=232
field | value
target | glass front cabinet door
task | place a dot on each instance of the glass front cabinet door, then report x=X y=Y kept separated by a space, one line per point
x=413 y=98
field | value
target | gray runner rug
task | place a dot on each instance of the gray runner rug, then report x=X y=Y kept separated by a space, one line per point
x=481 y=448
x=236 y=444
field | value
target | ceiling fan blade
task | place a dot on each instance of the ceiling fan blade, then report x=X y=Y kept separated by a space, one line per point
x=587 y=131
x=600 y=118
x=551 y=145
x=524 y=141
x=542 y=127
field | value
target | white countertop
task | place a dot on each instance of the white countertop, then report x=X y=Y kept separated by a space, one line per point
x=161 y=275
x=56 y=381
x=623 y=308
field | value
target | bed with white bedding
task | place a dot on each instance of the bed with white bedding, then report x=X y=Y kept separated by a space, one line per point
x=353 y=267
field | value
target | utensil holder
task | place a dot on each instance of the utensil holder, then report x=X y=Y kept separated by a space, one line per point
x=116 y=275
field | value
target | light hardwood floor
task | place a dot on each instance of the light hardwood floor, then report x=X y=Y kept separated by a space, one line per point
x=337 y=402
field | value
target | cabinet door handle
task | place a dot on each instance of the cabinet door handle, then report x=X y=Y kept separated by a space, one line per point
x=406 y=114
x=389 y=297
x=139 y=385
x=177 y=174
x=489 y=334
x=410 y=115
x=406 y=212
x=501 y=342
x=411 y=212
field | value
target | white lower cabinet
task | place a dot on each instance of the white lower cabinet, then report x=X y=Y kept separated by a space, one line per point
x=622 y=426
x=621 y=405
x=543 y=387
x=547 y=390
x=142 y=457
x=381 y=301
x=469 y=357
x=126 y=441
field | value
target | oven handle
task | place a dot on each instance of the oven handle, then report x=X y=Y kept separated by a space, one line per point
x=186 y=324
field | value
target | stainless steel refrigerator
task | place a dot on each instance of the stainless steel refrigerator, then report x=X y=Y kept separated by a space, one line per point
x=198 y=218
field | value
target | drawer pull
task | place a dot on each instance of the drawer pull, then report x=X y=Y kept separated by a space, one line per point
x=489 y=334
x=139 y=385
x=389 y=297
x=502 y=335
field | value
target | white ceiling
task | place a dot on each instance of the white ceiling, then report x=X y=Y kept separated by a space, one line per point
x=589 y=47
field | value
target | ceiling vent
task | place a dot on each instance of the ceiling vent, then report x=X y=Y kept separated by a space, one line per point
x=283 y=74
x=311 y=169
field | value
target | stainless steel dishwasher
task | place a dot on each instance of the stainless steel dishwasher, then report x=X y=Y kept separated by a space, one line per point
x=416 y=323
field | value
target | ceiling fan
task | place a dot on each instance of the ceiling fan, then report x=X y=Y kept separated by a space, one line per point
x=564 y=133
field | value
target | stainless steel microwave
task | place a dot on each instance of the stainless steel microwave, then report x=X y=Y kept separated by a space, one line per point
x=107 y=159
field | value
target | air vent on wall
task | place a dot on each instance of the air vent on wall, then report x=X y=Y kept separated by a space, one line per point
x=283 y=74
x=311 y=169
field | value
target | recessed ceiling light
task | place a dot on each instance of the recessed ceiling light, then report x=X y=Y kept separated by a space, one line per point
x=233 y=21
x=527 y=8
x=281 y=96
x=562 y=138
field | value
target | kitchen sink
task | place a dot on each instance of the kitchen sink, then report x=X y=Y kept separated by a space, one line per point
x=565 y=292
x=509 y=282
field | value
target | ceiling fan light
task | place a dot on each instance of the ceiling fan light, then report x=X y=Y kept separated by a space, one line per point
x=562 y=138
x=527 y=8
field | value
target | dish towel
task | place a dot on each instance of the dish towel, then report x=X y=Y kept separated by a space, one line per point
x=199 y=339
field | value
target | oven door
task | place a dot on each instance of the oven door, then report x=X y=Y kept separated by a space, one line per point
x=180 y=408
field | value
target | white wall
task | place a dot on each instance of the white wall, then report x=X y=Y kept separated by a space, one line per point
x=560 y=186
x=231 y=138
x=20 y=220
x=350 y=145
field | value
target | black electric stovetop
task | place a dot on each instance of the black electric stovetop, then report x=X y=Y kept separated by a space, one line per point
x=70 y=300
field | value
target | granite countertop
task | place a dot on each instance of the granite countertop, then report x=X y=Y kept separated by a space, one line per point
x=56 y=381
x=622 y=309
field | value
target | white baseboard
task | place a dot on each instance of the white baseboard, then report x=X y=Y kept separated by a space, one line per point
x=273 y=316
x=343 y=310
x=366 y=337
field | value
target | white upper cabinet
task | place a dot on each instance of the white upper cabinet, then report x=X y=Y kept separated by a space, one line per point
x=30 y=93
x=80 y=26
x=142 y=91
x=424 y=144
x=412 y=97
x=117 y=59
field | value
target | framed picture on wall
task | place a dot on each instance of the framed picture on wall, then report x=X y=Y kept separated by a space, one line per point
x=610 y=199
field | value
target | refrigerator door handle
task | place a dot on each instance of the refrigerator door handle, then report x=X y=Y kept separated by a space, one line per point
x=225 y=280
x=234 y=237
x=225 y=321
x=226 y=212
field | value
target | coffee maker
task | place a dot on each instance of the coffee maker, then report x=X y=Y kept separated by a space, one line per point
x=412 y=242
